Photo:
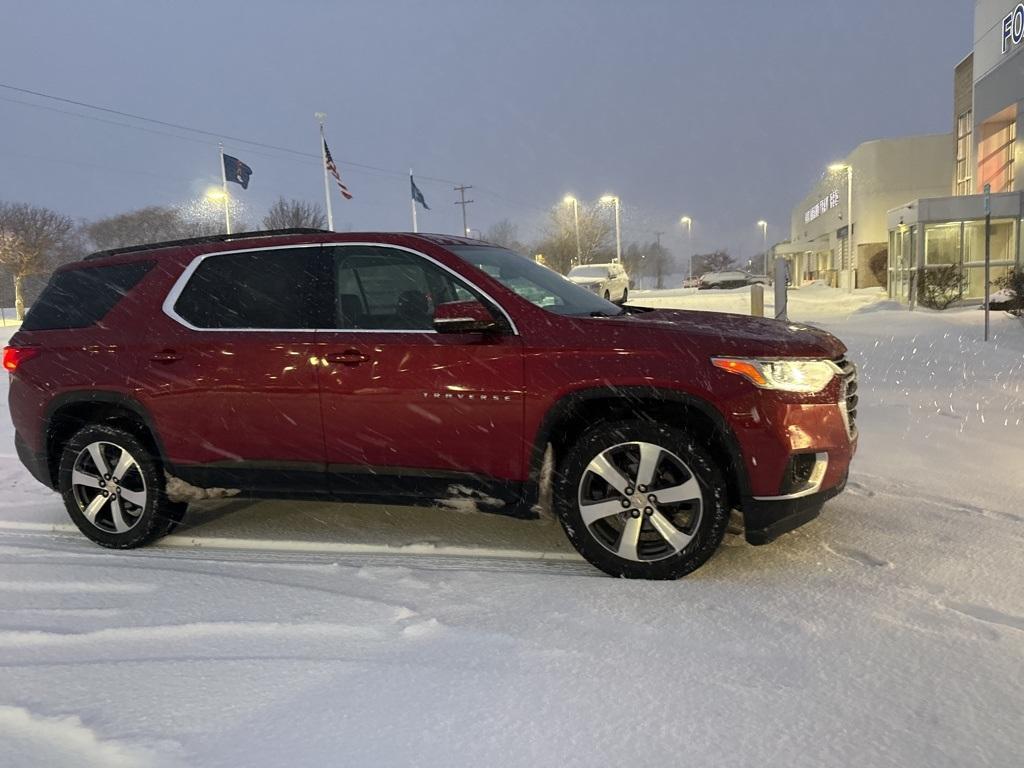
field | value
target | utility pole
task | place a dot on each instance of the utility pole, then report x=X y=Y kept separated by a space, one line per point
x=659 y=261
x=463 y=202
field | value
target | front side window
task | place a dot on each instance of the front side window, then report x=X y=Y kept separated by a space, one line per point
x=381 y=288
x=535 y=283
x=272 y=289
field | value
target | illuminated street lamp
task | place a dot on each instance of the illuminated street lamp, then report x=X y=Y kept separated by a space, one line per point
x=687 y=222
x=835 y=168
x=764 y=255
x=618 y=228
x=570 y=200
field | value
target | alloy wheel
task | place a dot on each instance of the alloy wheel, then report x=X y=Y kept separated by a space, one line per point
x=108 y=487
x=640 y=501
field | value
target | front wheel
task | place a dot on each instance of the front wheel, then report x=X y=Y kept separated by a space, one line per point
x=114 y=489
x=641 y=500
x=607 y=296
x=625 y=295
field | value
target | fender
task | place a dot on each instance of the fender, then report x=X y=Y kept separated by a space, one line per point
x=103 y=397
x=572 y=400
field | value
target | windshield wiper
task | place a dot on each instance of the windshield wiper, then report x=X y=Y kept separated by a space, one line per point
x=599 y=313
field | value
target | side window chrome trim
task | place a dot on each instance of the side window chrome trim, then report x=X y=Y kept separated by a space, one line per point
x=179 y=285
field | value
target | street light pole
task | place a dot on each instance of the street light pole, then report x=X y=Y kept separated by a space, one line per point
x=689 y=235
x=618 y=227
x=764 y=254
x=576 y=222
x=849 y=232
x=849 y=221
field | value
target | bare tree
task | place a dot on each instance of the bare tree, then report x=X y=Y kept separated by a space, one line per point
x=718 y=261
x=146 y=225
x=596 y=237
x=505 y=234
x=292 y=214
x=33 y=240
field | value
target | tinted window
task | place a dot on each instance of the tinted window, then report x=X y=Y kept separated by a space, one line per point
x=78 y=298
x=386 y=289
x=258 y=289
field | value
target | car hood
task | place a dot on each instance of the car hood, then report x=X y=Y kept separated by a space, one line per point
x=587 y=280
x=719 y=333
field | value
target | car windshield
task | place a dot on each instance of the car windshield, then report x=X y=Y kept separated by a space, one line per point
x=588 y=272
x=535 y=282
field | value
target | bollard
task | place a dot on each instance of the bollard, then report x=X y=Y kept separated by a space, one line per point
x=781 y=297
x=757 y=300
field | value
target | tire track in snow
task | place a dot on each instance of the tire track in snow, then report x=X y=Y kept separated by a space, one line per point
x=985 y=614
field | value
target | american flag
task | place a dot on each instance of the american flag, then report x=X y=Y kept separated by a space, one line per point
x=334 y=172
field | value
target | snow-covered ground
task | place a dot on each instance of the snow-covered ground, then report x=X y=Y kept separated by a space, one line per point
x=889 y=632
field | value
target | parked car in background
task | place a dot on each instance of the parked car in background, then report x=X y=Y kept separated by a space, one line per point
x=691 y=282
x=404 y=368
x=609 y=281
x=733 y=279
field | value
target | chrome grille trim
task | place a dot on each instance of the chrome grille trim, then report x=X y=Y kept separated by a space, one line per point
x=848 y=397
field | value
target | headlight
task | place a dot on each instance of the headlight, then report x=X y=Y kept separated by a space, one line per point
x=807 y=376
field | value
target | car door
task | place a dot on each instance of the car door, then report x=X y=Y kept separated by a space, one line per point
x=406 y=409
x=227 y=374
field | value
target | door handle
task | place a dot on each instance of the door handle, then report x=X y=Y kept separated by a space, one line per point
x=348 y=357
x=165 y=356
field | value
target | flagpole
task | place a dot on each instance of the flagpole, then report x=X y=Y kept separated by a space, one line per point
x=323 y=161
x=224 y=186
x=413 y=201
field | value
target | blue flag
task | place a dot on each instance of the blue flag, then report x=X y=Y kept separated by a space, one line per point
x=417 y=195
x=237 y=171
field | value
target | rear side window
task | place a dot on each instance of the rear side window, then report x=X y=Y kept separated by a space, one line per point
x=78 y=298
x=274 y=289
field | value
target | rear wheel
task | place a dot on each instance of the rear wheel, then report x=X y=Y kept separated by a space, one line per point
x=642 y=500
x=113 y=488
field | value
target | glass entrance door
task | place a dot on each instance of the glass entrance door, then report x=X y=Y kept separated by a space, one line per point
x=901 y=262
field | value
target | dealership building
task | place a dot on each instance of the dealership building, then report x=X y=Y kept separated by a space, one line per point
x=921 y=200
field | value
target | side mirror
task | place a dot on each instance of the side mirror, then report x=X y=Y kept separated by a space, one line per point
x=463 y=317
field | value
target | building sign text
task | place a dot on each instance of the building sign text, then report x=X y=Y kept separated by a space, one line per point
x=824 y=205
x=1013 y=28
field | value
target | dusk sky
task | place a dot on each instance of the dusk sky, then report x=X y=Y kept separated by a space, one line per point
x=725 y=111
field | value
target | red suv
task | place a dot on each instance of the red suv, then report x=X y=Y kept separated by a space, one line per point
x=410 y=368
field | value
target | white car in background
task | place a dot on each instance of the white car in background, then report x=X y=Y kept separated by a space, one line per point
x=607 y=280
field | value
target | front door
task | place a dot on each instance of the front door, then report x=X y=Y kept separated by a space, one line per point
x=406 y=409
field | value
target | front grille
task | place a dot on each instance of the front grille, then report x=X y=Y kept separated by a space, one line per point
x=849 y=397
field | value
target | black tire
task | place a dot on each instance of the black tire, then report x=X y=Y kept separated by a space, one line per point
x=155 y=517
x=694 y=462
x=625 y=295
x=607 y=296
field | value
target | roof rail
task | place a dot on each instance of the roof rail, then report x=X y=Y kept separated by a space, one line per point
x=208 y=239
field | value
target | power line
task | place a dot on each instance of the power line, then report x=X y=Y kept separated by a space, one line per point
x=305 y=156
x=204 y=132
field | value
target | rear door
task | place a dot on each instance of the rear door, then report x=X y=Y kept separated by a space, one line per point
x=406 y=409
x=230 y=376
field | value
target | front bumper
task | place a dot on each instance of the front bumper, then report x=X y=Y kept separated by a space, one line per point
x=765 y=519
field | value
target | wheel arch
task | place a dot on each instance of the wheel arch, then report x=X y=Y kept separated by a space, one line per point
x=70 y=411
x=576 y=411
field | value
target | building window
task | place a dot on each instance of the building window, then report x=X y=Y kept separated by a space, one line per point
x=1011 y=173
x=964 y=134
x=997 y=138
